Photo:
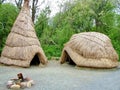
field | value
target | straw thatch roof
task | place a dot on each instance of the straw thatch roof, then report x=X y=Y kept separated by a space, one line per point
x=90 y=49
x=22 y=43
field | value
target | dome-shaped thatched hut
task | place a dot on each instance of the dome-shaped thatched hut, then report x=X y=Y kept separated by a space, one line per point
x=22 y=45
x=90 y=49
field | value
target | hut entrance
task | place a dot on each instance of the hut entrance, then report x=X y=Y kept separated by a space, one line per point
x=35 y=61
x=69 y=60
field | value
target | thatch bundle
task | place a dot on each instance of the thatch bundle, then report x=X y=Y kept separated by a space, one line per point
x=22 y=43
x=90 y=49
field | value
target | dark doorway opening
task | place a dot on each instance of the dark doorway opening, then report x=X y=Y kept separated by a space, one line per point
x=69 y=60
x=35 y=61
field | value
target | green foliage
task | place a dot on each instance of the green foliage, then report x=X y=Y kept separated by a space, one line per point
x=8 y=14
x=52 y=43
x=51 y=50
x=79 y=16
x=50 y=36
x=65 y=32
x=115 y=37
x=42 y=21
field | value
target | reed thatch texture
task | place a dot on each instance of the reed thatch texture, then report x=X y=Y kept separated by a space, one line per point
x=90 y=49
x=22 y=43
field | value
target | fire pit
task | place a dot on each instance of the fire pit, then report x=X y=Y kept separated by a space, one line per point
x=21 y=82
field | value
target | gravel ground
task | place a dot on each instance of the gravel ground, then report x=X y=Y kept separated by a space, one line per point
x=64 y=77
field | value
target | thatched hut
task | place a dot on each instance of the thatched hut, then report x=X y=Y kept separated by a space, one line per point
x=22 y=45
x=90 y=49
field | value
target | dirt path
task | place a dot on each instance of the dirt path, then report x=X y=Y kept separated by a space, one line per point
x=64 y=77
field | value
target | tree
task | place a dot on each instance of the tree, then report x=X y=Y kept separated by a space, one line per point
x=87 y=15
x=77 y=14
x=42 y=21
x=102 y=9
x=8 y=14
x=117 y=3
x=2 y=1
x=19 y=3
x=34 y=8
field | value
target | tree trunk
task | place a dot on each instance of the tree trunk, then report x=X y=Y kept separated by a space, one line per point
x=34 y=7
